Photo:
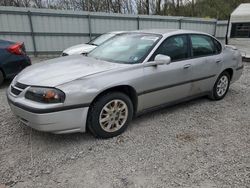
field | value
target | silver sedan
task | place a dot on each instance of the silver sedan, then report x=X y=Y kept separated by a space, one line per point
x=128 y=75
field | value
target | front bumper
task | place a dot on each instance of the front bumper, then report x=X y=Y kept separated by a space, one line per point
x=58 y=122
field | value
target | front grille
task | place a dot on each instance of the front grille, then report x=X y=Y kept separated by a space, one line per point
x=20 y=85
x=18 y=88
x=15 y=91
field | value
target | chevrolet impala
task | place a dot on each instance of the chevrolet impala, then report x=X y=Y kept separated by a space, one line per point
x=130 y=74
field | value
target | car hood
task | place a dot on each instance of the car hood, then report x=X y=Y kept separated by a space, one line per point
x=79 y=49
x=63 y=69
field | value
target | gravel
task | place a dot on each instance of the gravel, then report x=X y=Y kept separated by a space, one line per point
x=200 y=143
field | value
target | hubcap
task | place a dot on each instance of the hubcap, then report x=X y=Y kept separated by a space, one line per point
x=113 y=115
x=222 y=86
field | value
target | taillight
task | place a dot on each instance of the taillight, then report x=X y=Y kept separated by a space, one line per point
x=16 y=49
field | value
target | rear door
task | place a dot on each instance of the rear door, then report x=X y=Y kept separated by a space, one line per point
x=206 y=62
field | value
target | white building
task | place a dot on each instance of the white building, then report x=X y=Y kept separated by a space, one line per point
x=239 y=29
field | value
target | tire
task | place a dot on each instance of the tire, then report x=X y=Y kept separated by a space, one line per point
x=220 y=91
x=1 y=77
x=110 y=115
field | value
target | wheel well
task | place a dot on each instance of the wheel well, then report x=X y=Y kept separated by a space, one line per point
x=230 y=72
x=128 y=90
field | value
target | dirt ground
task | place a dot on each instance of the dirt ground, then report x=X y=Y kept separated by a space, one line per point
x=200 y=143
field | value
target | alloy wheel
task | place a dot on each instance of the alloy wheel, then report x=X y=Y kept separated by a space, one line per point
x=222 y=86
x=113 y=115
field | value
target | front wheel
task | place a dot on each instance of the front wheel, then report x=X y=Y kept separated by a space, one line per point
x=110 y=114
x=221 y=86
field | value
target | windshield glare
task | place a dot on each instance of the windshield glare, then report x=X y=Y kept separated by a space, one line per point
x=127 y=48
x=101 y=39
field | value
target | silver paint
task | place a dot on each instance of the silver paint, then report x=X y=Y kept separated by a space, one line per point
x=82 y=79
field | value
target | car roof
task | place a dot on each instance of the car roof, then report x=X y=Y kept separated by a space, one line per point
x=167 y=32
x=163 y=32
x=117 y=32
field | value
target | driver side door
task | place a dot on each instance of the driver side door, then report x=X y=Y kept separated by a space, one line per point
x=168 y=83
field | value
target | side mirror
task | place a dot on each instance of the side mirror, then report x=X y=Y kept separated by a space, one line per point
x=162 y=59
x=159 y=60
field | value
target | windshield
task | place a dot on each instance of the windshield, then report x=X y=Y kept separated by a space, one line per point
x=126 y=48
x=101 y=39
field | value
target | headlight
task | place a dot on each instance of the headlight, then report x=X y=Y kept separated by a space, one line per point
x=45 y=95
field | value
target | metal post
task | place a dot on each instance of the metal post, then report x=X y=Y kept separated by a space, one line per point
x=90 y=30
x=228 y=22
x=179 y=23
x=32 y=33
x=138 y=22
x=215 y=28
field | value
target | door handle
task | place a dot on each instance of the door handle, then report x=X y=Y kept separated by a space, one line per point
x=187 y=66
x=218 y=61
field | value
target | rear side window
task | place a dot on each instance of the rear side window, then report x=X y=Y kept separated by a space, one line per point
x=202 y=45
x=175 y=47
x=217 y=46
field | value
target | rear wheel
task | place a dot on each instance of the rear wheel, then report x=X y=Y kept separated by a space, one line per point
x=1 y=77
x=221 y=86
x=110 y=114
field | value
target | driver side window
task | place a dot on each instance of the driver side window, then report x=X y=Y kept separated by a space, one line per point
x=175 y=47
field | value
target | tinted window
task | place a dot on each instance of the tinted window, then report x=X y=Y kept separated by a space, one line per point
x=175 y=47
x=240 y=30
x=217 y=46
x=202 y=45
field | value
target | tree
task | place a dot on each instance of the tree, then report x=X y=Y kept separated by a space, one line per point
x=220 y=9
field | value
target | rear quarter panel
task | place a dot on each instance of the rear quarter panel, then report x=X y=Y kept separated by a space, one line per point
x=12 y=64
x=232 y=59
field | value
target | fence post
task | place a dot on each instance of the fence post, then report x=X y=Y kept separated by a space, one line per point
x=226 y=37
x=90 y=30
x=138 y=22
x=215 y=28
x=32 y=33
x=179 y=23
